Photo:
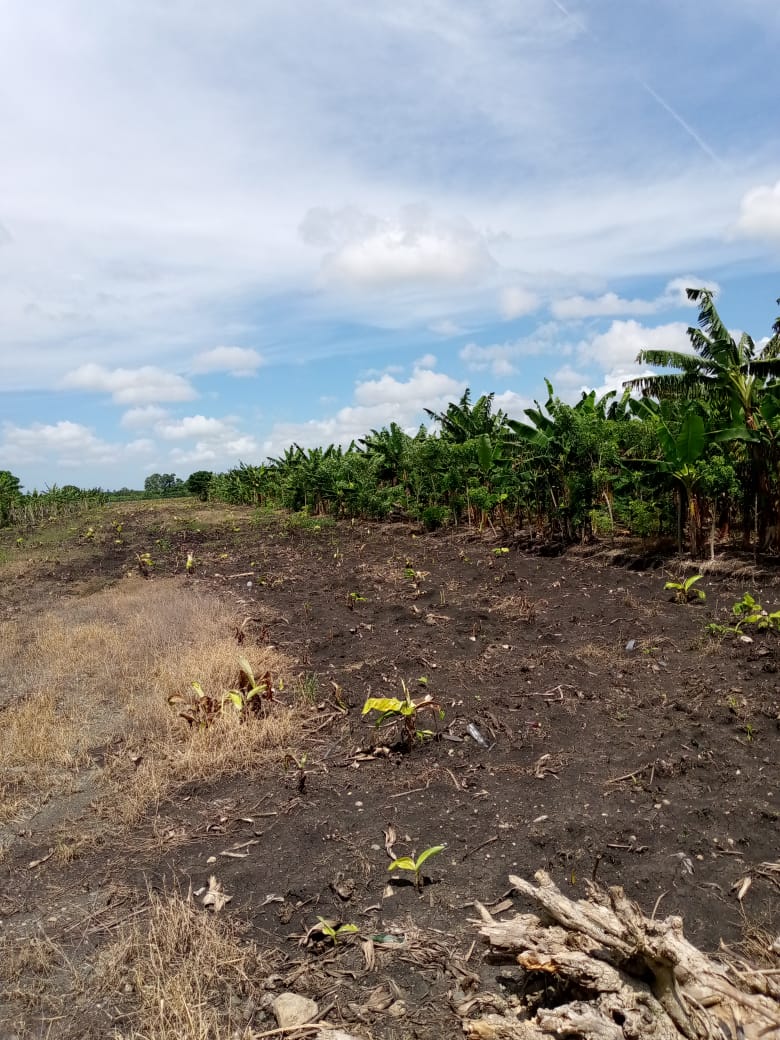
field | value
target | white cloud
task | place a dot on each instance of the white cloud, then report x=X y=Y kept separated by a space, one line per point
x=415 y=248
x=130 y=385
x=377 y=403
x=426 y=361
x=575 y=307
x=759 y=212
x=140 y=446
x=447 y=328
x=610 y=303
x=219 y=452
x=501 y=358
x=237 y=361
x=65 y=443
x=143 y=418
x=516 y=301
x=192 y=426
x=511 y=403
x=568 y=378
x=618 y=347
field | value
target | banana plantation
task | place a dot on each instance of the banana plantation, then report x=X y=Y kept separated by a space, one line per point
x=691 y=451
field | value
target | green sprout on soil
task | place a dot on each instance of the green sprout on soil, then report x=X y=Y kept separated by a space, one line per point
x=145 y=563
x=501 y=551
x=395 y=711
x=415 y=865
x=335 y=931
x=201 y=709
x=190 y=564
x=299 y=762
x=353 y=598
x=89 y=534
x=684 y=592
x=252 y=694
x=748 y=611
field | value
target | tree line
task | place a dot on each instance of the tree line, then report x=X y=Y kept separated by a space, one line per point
x=691 y=451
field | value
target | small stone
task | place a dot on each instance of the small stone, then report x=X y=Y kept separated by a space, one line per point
x=291 y=1009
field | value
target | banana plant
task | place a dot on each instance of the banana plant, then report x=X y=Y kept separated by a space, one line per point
x=404 y=712
x=415 y=865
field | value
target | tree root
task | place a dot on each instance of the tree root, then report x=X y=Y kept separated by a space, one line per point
x=618 y=975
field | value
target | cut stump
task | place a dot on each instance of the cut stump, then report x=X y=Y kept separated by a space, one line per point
x=613 y=974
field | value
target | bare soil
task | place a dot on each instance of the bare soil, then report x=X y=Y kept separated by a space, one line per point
x=620 y=744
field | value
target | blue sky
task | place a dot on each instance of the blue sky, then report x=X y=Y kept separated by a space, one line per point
x=225 y=228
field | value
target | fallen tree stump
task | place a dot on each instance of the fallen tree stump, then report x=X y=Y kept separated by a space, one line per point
x=610 y=973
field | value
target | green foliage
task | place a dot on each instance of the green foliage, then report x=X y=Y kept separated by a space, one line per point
x=197 y=483
x=415 y=866
x=335 y=931
x=684 y=592
x=200 y=710
x=749 y=612
x=164 y=485
x=700 y=448
x=10 y=495
x=404 y=714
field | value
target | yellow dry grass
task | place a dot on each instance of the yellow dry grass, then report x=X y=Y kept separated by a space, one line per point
x=97 y=673
x=185 y=973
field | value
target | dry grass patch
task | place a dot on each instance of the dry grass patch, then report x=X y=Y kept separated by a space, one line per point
x=516 y=608
x=98 y=675
x=184 y=972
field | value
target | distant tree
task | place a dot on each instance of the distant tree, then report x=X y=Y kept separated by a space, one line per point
x=10 y=493
x=162 y=485
x=197 y=483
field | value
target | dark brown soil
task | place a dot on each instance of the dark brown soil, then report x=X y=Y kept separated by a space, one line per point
x=623 y=744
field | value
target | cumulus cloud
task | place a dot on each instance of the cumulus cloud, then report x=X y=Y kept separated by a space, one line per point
x=575 y=307
x=516 y=301
x=511 y=403
x=377 y=403
x=365 y=251
x=65 y=443
x=143 y=418
x=130 y=385
x=227 y=450
x=617 y=348
x=759 y=212
x=192 y=426
x=236 y=361
x=501 y=358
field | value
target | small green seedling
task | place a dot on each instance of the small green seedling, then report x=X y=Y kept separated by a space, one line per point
x=201 y=710
x=145 y=563
x=89 y=534
x=684 y=592
x=198 y=708
x=501 y=551
x=750 y=612
x=190 y=564
x=415 y=865
x=250 y=696
x=299 y=762
x=354 y=598
x=335 y=931
x=395 y=711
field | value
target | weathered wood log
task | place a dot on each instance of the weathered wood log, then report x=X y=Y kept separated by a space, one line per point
x=620 y=975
